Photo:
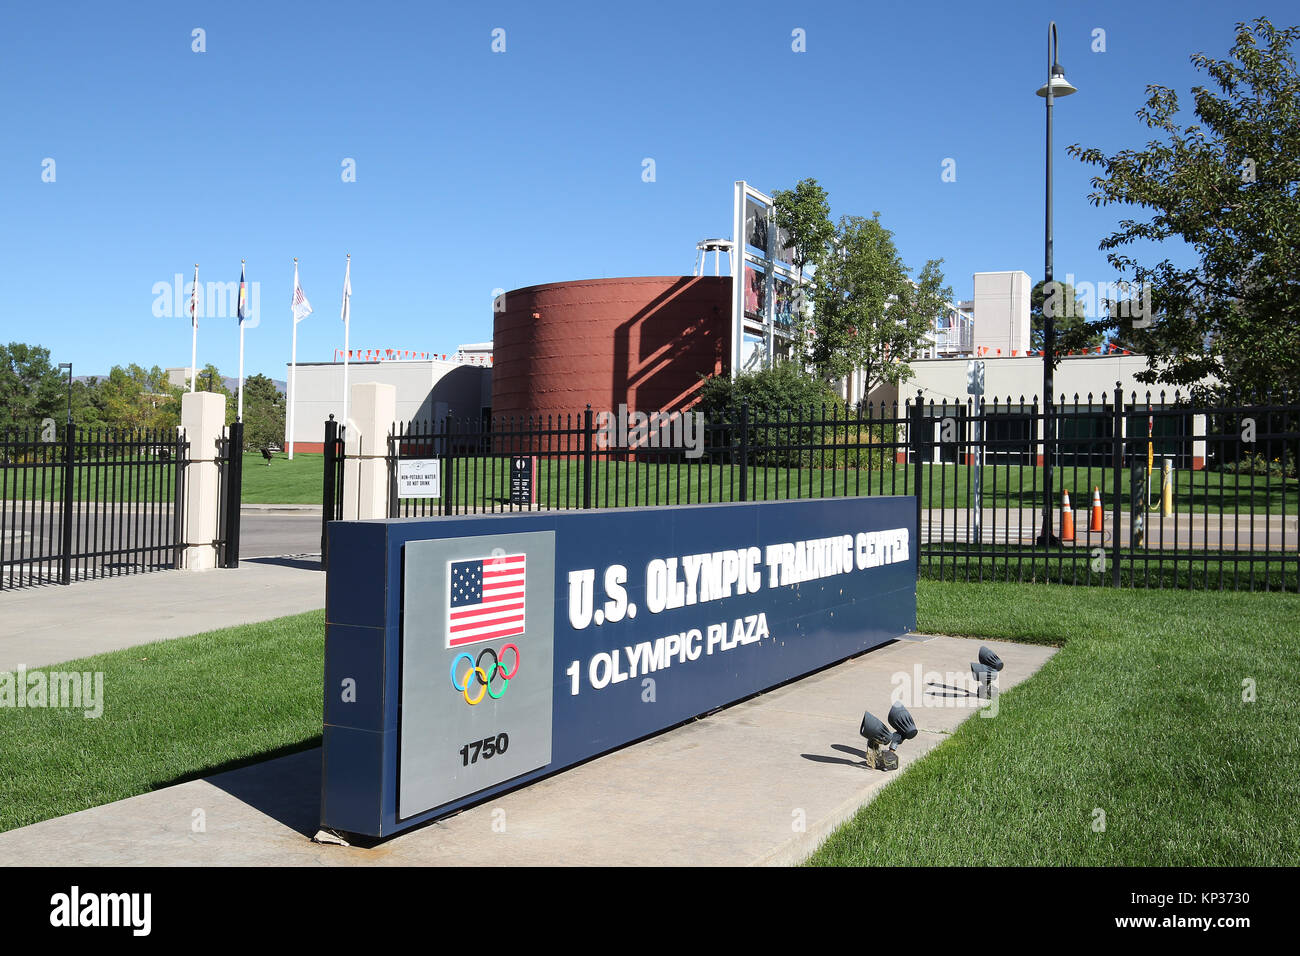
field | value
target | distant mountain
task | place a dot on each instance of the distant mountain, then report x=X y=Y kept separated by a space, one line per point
x=233 y=383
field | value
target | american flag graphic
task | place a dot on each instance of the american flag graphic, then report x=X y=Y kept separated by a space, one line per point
x=485 y=599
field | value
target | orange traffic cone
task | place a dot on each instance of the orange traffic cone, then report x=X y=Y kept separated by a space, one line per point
x=1095 y=524
x=1067 y=517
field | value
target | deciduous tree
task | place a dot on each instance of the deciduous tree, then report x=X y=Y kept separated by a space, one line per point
x=1227 y=189
x=31 y=388
x=869 y=315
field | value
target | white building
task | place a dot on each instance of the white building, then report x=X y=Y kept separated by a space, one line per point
x=1002 y=324
x=953 y=335
x=1018 y=378
x=995 y=327
x=458 y=384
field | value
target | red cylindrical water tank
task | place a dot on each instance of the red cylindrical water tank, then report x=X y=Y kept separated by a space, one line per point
x=643 y=342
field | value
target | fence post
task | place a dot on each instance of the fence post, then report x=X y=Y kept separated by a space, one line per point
x=234 y=492
x=448 y=466
x=744 y=451
x=916 y=437
x=329 y=494
x=181 y=456
x=588 y=439
x=203 y=416
x=371 y=416
x=69 y=476
x=1117 y=477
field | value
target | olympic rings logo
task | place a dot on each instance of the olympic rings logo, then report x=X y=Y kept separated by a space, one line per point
x=483 y=676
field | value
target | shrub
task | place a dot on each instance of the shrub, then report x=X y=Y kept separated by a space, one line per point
x=791 y=415
x=1257 y=464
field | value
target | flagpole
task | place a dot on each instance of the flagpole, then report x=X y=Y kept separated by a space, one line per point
x=293 y=361
x=347 y=321
x=194 y=332
x=239 y=413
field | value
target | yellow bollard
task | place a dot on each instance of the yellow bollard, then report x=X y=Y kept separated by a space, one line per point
x=1167 y=488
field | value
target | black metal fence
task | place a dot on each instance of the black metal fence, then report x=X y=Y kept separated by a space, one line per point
x=83 y=503
x=332 y=485
x=1216 y=507
x=88 y=503
x=230 y=461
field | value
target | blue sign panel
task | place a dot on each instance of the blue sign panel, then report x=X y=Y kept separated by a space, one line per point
x=468 y=655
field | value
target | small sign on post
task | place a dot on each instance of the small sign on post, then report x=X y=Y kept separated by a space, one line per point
x=418 y=478
x=523 y=491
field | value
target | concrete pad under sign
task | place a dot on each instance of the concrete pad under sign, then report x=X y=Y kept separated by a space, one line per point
x=759 y=783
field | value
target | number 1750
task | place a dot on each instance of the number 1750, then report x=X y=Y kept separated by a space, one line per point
x=488 y=748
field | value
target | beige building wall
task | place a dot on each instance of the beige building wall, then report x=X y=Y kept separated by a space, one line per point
x=1002 y=312
x=425 y=390
x=945 y=379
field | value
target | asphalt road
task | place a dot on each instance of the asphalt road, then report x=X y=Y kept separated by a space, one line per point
x=261 y=535
x=272 y=535
x=276 y=534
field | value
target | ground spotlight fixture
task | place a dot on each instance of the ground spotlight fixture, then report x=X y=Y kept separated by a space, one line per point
x=879 y=736
x=984 y=670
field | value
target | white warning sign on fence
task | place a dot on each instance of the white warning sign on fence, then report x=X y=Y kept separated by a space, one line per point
x=418 y=478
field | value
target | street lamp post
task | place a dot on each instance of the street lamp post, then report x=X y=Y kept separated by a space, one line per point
x=1056 y=85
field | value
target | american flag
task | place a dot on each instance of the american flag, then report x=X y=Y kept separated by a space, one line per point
x=485 y=599
x=301 y=307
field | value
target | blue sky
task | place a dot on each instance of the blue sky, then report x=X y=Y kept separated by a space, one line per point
x=478 y=170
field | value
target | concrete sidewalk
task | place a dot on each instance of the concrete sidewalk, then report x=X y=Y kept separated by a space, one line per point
x=48 y=625
x=762 y=782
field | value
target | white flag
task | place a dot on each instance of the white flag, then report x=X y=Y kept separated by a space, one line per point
x=301 y=307
x=346 y=312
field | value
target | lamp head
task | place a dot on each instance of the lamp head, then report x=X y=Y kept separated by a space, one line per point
x=1060 y=86
x=989 y=659
x=881 y=736
x=875 y=731
x=902 y=722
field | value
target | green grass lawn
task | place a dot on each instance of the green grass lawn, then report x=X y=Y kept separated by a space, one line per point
x=137 y=479
x=1081 y=563
x=484 y=483
x=283 y=482
x=173 y=710
x=280 y=482
x=1139 y=715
